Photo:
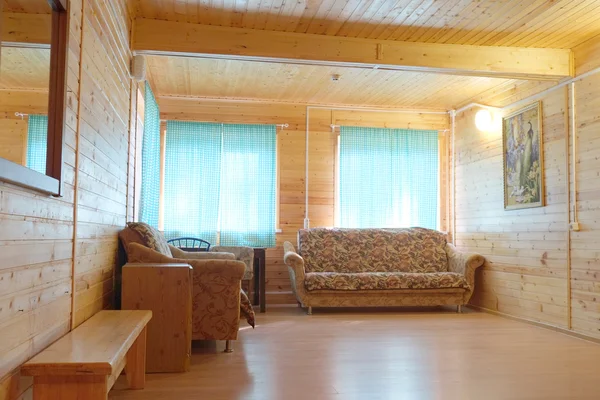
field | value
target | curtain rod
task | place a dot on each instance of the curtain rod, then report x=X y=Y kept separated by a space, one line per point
x=383 y=110
x=282 y=126
x=333 y=126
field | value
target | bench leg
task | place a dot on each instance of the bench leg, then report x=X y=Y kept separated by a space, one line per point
x=91 y=387
x=135 y=364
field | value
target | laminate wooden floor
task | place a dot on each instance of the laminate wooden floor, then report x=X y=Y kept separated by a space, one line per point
x=404 y=355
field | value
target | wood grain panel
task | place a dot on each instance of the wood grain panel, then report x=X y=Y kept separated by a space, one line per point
x=290 y=83
x=25 y=68
x=292 y=145
x=587 y=56
x=103 y=153
x=535 y=23
x=530 y=257
x=27 y=6
x=526 y=250
x=40 y=279
x=585 y=273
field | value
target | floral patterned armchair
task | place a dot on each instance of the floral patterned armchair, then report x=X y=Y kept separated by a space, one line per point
x=217 y=295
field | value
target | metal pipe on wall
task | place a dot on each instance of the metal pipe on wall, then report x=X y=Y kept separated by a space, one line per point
x=574 y=157
x=453 y=152
x=568 y=201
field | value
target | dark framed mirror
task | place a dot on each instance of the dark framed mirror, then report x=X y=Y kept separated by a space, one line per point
x=33 y=59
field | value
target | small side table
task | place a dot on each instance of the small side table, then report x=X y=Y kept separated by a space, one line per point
x=260 y=278
x=166 y=289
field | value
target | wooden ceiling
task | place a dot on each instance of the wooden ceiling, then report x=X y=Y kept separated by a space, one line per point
x=524 y=23
x=24 y=69
x=263 y=81
x=27 y=6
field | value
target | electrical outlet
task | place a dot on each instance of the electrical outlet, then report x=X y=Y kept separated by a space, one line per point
x=575 y=226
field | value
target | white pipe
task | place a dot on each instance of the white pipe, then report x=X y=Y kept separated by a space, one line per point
x=534 y=96
x=574 y=156
x=453 y=131
x=568 y=204
x=306 y=220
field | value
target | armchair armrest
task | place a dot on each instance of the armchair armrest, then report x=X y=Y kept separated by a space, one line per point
x=200 y=255
x=465 y=264
x=241 y=253
x=226 y=268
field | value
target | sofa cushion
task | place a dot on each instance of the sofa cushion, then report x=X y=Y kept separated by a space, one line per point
x=384 y=281
x=150 y=237
x=373 y=250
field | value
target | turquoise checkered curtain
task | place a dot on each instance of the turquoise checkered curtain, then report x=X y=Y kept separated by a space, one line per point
x=248 y=185
x=150 y=192
x=388 y=178
x=37 y=142
x=192 y=180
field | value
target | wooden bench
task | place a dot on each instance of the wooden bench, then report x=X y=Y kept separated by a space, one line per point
x=85 y=363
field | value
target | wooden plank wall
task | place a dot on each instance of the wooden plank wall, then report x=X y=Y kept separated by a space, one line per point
x=526 y=268
x=104 y=153
x=52 y=245
x=528 y=263
x=585 y=244
x=292 y=150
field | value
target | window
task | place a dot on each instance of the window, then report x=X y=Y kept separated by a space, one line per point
x=150 y=186
x=388 y=178
x=220 y=183
x=37 y=142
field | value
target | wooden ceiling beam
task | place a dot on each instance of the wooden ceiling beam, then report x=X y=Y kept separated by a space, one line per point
x=177 y=38
x=33 y=30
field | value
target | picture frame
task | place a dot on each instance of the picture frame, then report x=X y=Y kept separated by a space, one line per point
x=522 y=158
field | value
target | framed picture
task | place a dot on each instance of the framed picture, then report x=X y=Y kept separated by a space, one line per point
x=523 y=159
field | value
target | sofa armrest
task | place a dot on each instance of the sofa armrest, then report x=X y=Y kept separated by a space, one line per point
x=465 y=264
x=293 y=260
x=295 y=264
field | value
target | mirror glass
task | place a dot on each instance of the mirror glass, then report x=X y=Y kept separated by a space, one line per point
x=24 y=82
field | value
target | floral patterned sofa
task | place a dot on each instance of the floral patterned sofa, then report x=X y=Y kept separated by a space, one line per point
x=379 y=267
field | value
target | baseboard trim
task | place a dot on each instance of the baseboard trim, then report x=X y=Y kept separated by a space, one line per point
x=558 y=329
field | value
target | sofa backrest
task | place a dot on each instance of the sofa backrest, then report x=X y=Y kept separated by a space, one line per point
x=373 y=250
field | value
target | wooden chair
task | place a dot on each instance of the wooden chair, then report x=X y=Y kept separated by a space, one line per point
x=85 y=363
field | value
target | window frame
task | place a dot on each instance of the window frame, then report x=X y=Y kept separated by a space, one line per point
x=51 y=181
